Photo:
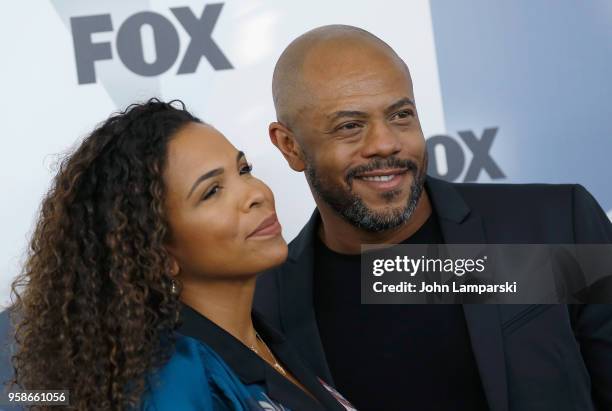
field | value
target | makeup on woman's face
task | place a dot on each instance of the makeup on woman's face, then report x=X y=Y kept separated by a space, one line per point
x=222 y=219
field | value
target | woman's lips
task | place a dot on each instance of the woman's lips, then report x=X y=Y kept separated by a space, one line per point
x=268 y=227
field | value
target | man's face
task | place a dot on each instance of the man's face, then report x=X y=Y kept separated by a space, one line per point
x=362 y=142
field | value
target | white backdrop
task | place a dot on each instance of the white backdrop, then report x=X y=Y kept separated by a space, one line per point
x=45 y=111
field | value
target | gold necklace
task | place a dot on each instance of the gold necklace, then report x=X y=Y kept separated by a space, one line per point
x=276 y=365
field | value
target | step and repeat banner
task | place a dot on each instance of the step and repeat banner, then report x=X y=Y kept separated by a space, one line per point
x=506 y=91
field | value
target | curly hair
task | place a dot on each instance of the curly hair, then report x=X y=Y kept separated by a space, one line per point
x=93 y=307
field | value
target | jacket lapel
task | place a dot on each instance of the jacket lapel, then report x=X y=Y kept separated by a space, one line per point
x=297 y=314
x=461 y=225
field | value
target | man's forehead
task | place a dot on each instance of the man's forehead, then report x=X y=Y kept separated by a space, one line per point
x=353 y=72
x=360 y=90
x=348 y=56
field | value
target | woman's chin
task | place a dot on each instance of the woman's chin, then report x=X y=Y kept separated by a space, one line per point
x=272 y=256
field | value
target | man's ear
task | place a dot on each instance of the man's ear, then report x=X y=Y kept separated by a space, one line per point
x=285 y=141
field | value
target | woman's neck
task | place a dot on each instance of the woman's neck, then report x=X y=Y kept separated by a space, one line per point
x=226 y=303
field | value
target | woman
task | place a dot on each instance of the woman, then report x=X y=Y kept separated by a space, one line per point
x=138 y=287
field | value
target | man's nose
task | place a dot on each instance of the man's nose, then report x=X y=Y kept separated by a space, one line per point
x=381 y=141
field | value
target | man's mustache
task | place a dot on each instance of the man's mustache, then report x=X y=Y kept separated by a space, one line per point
x=380 y=164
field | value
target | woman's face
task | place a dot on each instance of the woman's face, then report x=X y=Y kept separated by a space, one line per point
x=222 y=220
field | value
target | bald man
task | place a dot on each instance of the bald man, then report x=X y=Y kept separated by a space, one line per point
x=347 y=118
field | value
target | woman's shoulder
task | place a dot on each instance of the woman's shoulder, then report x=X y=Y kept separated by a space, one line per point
x=182 y=382
x=194 y=378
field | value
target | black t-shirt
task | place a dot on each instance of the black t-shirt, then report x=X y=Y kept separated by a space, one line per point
x=393 y=357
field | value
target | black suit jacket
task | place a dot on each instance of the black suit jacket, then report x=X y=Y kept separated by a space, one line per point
x=530 y=357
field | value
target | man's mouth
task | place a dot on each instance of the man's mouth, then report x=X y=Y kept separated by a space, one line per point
x=389 y=179
x=379 y=178
x=381 y=175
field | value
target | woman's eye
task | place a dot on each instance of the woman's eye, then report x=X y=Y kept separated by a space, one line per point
x=246 y=169
x=214 y=190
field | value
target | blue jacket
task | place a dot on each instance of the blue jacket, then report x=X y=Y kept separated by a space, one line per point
x=196 y=378
x=212 y=370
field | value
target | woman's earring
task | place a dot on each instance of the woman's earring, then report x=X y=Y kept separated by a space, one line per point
x=176 y=287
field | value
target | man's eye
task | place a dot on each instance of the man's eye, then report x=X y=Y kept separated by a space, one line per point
x=246 y=169
x=404 y=114
x=349 y=126
x=214 y=190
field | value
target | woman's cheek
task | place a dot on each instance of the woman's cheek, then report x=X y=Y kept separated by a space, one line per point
x=221 y=233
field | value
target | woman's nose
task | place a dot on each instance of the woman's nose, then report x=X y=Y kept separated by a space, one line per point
x=255 y=194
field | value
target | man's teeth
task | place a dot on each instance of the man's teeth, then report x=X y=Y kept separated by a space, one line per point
x=379 y=178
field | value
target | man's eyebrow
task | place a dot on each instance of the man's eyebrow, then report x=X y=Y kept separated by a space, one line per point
x=406 y=101
x=347 y=113
x=212 y=173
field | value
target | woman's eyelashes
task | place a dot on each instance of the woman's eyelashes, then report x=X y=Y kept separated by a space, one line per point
x=215 y=188
x=211 y=192
x=246 y=168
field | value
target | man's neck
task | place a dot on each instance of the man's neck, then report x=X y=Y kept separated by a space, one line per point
x=342 y=237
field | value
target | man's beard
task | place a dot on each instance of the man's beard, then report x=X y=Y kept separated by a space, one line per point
x=353 y=209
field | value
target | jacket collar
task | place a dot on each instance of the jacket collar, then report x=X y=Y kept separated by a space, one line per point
x=297 y=315
x=239 y=357
x=460 y=225
x=251 y=369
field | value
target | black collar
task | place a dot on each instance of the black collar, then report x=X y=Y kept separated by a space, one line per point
x=244 y=362
x=251 y=369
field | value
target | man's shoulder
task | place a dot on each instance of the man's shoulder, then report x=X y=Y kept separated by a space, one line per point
x=507 y=199
x=537 y=213
x=505 y=191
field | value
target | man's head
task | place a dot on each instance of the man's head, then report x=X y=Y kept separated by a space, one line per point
x=347 y=117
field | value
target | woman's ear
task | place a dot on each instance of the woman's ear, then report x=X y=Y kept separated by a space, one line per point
x=175 y=268
x=285 y=141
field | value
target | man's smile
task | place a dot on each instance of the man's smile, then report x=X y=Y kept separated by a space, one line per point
x=383 y=180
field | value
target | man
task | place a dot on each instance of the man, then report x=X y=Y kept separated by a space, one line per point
x=346 y=117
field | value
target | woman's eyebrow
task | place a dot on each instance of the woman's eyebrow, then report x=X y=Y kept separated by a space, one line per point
x=212 y=173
